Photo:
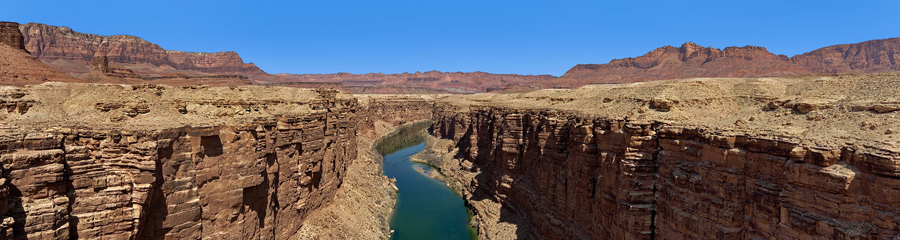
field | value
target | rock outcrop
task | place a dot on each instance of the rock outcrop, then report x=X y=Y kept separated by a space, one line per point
x=153 y=162
x=10 y=35
x=72 y=52
x=100 y=65
x=364 y=203
x=682 y=159
x=104 y=72
x=691 y=60
x=453 y=82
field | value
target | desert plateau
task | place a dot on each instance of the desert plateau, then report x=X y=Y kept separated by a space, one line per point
x=108 y=135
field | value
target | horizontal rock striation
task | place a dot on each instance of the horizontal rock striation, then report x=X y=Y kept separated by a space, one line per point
x=10 y=35
x=248 y=171
x=438 y=82
x=562 y=173
x=691 y=60
x=18 y=68
x=76 y=50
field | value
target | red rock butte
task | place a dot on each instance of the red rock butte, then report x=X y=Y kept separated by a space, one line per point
x=691 y=60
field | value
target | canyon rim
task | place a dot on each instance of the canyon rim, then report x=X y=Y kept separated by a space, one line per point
x=112 y=136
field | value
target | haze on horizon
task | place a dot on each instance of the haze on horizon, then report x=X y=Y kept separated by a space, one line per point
x=522 y=37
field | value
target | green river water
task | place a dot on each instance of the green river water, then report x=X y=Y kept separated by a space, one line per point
x=426 y=208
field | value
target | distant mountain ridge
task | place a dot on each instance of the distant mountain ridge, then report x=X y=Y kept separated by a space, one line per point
x=692 y=60
x=72 y=52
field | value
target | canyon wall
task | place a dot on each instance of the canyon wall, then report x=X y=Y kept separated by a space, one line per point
x=691 y=60
x=18 y=68
x=578 y=177
x=594 y=164
x=452 y=82
x=363 y=205
x=178 y=163
x=72 y=52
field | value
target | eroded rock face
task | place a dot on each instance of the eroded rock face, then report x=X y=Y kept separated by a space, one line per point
x=865 y=57
x=569 y=178
x=363 y=205
x=576 y=177
x=243 y=178
x=52 y=43
x=772 y=158
x=10 y=35
x=20 y=68
x=687 y=61
x=691 y=60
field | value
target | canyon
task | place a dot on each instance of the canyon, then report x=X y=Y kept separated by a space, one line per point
x=757 y=157
x=72 y=52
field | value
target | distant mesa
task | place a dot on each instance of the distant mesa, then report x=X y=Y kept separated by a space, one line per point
x=691 y=60
x=98 y=58
x=73 y=52
x=17 y=67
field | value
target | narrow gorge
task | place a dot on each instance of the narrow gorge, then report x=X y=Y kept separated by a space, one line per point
x=808 y=158
x=800 y=157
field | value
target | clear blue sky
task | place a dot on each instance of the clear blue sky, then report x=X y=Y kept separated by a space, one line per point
x=524 y=37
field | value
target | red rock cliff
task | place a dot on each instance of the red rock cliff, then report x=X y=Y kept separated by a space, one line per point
x=687 y=61
x=219 y=165
x=52 y=43
x=865 y=57
x=587 y=178
x=710 y=159
x=690 y=60
x=454 y=82
x=10 y=35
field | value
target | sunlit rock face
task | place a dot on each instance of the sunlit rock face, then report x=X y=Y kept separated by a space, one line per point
x=654 y=160
x=148 y=162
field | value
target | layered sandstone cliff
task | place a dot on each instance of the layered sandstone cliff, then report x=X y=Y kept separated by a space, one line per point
x=10 y=35
x=801 y=158
x=691 y=60
x=72 y=52
x=104 y=72
x=363 y=205
x=18 y=68
x=865 y=57
x=153 y=162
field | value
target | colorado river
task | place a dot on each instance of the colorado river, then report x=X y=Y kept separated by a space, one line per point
x=426 y=208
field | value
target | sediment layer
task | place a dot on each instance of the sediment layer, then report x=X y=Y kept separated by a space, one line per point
x=699 y=158
x=151 y=162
